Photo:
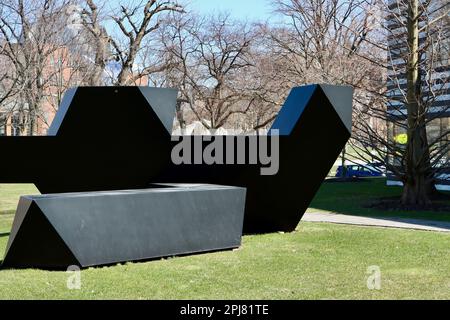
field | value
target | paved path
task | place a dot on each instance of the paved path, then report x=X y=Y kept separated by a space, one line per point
x=402 y=223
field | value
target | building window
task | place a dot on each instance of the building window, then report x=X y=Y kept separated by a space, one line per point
x=433 y=130
x=439 y=129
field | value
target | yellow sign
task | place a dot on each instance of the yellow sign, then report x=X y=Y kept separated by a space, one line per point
x=401 y=138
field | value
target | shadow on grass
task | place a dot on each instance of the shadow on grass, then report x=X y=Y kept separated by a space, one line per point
x=7 y=212
x=421 y=222
x=354 y=199
x=6 y=234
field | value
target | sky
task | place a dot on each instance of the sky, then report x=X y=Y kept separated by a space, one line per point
x=250 y=10
x=238 y=9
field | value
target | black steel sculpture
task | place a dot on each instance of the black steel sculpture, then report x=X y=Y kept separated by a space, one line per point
x=115 y=138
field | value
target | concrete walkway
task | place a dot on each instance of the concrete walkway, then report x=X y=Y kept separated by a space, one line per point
x=402 y=223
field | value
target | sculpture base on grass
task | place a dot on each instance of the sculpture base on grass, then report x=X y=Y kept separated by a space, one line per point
x=101 y=228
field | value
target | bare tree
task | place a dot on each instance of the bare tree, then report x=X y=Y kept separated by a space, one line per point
x=213 y=57
x=8 y=82
x=8 y=89
x=131 y=47
x=67 y=67
x=97 y=42
x=44 y=54
x=323 y=42
x=32 y=36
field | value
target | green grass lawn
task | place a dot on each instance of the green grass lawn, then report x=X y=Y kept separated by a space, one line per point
x=351 y=198
x=10 y=194
x=318 y=261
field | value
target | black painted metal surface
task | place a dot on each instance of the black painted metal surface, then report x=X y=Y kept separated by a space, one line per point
x=101 y=228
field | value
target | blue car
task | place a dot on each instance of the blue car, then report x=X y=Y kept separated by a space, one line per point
x=357 y=170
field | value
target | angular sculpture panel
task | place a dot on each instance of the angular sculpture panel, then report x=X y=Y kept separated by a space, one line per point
x=102 y=228
x=102 y=138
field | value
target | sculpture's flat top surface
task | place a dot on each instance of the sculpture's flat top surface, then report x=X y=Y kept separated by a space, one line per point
x=157 y=188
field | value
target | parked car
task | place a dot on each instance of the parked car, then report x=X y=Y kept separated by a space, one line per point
x=358 y=170
x=377 y=166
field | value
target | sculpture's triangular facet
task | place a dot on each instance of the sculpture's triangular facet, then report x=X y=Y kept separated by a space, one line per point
x=163 y=103
x=62 y=110
x=37 y=244
x=292 y=109
x=341 y=98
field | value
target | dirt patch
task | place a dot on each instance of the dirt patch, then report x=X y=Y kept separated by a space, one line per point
x=440 y=202
x=6 y=212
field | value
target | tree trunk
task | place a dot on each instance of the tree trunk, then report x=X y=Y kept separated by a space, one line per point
x=126 y=73
x=98 y=68
x=343 y=166
x=124 y=77
x=180 y=116
x=32 y=125
x=417 y=191
x=418 y=182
